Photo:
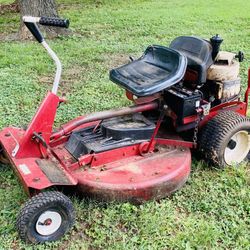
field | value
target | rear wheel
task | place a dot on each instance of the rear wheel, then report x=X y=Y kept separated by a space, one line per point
x=45 y=217
x=225 y=140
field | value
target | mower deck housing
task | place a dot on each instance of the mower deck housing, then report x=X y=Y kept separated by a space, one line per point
x=121 y=174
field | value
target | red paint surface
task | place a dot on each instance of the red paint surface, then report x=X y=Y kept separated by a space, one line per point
x=154 y=175
x=190 y=119
x=238 y=107
x=176 y=143
x=9 y=137
x=248 y=89
x=34 y=178
x=42 y=123
x=126 y=172
x=142 y=100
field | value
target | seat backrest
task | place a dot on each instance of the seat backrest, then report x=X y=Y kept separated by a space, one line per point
x=198 y=53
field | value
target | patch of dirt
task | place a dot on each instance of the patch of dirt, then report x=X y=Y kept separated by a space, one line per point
x=76 y=234
x=13 y=7
x=66 y=6
x=9 y=37
x=115 y=60
x=76 y=73
x=69 y=77
x=72 y=6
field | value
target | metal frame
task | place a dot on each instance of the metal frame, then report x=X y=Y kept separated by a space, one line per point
x=58 y=67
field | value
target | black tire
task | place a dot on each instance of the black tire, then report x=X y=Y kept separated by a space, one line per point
x=217 y=135
x=53 y=203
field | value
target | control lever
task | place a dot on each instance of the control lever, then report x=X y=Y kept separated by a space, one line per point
x=31 y=24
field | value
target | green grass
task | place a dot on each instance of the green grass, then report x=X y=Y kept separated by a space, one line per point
x=212 y=211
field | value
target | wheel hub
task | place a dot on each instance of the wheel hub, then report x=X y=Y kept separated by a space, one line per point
x=232 y=144
x=238 y=148
x=48 y=223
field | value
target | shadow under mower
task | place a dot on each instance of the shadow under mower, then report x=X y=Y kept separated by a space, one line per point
x=186 y=96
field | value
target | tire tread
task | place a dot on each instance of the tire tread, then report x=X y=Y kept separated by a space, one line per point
x=37 y=202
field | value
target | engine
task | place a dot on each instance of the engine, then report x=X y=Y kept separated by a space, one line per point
x=223 y=82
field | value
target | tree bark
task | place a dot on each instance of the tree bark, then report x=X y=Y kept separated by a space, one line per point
x=39 y=8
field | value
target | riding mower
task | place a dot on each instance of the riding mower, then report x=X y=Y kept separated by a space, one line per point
x=186 y=97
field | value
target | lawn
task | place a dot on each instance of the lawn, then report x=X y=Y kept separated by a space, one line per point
x=212 y=211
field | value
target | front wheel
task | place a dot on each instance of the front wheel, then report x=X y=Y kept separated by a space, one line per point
x=225 y=140
x=45 y=217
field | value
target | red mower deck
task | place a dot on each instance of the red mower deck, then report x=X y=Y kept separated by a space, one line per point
x=132 y=177
x=138 y=178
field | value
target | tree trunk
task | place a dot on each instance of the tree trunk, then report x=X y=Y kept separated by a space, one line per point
x=39 y=8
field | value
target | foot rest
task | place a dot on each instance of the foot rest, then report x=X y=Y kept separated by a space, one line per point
x=55 y=174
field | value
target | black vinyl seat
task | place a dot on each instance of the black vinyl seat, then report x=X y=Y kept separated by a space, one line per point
x=158 y=68
x=198 y=53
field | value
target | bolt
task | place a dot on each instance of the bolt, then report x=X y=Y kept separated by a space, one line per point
x=36 y=179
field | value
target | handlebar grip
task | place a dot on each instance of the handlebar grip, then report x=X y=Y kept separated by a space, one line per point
x=53 y=21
